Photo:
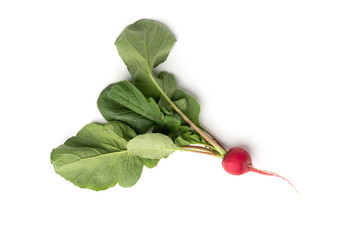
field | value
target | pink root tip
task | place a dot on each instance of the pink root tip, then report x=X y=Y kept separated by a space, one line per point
x=268 y=173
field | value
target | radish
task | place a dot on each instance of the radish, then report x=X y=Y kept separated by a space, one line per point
x=237 y=161
x=148 y=119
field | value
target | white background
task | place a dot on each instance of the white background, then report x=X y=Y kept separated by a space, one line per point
x=279 y=77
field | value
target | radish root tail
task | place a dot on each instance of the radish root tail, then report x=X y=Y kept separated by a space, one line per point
x=268 y=173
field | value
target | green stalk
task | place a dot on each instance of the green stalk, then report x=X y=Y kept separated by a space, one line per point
x=196 y=128
x=198 y=150
x=173 y=105
x=206 y=131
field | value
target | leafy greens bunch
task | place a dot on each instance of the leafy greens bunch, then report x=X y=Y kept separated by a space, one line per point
x=148 y=118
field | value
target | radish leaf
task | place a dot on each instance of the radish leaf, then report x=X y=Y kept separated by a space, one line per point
x=144 y=45
x=150 y=163
x=192 y=110
x=97 y=157
x=126 y=94
x=189 y=138
x=168 y=83
x=152 y=145
x=173 y=122
x=112 y=110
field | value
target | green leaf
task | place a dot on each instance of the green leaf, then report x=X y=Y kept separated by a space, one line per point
x=164 y=110
x=181 y=104
x=143 y=46
x=97 y=157
x=150 y=163
x=186 y=103
x=173 y=122
x=152 y=145
x=168 y=83
x=112 y=110
x=188 y=138
x=192 y=108
x=126 y=94
x=184 y=129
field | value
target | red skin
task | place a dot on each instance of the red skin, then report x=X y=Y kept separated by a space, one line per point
x=237 y=161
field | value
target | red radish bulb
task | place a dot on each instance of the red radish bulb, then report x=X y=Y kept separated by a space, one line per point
x=237 y=161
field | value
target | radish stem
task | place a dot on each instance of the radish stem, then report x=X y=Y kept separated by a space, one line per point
x=200 y=150
x=218 y=142
x=218 y=148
